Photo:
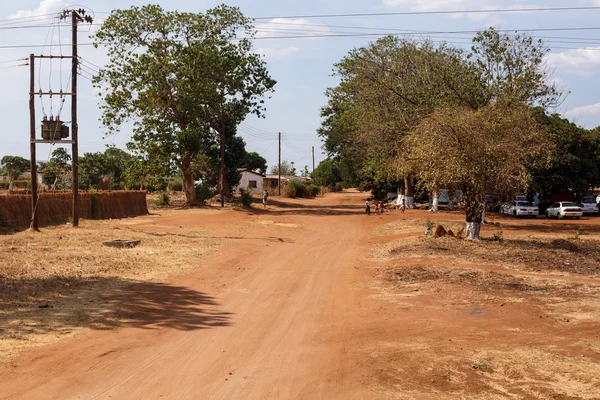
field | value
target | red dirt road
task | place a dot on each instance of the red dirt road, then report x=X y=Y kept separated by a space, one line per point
x=273 y=316
x=296 y=306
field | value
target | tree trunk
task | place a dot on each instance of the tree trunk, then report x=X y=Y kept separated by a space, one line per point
x=409 y=192
x=436 y=201
x=188 y=181
x=226 y=187
x=474 y=207
x=10 y=184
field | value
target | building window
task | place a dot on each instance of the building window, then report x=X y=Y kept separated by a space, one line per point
x=252 y=184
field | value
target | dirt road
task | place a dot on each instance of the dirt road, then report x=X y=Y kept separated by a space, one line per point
x=312 y=299
x=271 y=317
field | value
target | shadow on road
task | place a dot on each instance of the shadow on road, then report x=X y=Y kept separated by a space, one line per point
x=282 y=207
x=59 y=305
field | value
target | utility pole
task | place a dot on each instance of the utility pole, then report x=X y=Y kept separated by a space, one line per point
x=279 y=163
x=313 y=155
x=33 y=164
x=222 y=145
x=74 y=128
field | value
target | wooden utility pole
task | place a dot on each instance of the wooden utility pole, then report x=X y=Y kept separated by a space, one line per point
x=279 y=163
x=222 y=145
x=33 y=165
x=313 y=155
x=74 y=128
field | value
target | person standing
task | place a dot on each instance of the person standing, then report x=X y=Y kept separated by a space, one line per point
x=368 y=207
x=265 y=197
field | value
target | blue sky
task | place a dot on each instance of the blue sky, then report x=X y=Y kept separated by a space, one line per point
x=302 y=67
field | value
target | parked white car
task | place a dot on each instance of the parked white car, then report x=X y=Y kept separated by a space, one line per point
x=564 y=209
x=520 y=209
x=589 y=205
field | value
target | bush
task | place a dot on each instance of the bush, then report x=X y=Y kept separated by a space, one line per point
x=176 y=185
x=338 y=187
x=3 y=185
x=246 y=195
x=313 y=190
x=204 y=192
x=163 y=199
x=294 y=189
x=156 y=185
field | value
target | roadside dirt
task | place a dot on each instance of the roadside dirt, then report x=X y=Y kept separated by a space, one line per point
x=312 y=299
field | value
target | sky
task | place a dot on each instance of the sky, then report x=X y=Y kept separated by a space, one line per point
x=302 y=66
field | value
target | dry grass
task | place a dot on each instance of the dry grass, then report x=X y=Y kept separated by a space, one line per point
x=487 y=320
x=522 y=372
x=60 y=281
x=527 y=254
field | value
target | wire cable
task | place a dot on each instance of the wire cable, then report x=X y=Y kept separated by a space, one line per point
x=472 y=11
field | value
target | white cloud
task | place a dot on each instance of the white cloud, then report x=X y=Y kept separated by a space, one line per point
x=278 y=27
x=290 y=27
x=584 y=111
x=451 y=5
x=46 y=7
x=582 y=62
x=271 y=53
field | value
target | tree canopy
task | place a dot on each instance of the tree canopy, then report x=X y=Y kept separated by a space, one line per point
x=482 y=152
x=14 y=167
x=175 y=74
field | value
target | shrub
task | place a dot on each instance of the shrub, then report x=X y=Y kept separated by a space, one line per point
x=246 y=195
x=294 y=189
x=313 y=190
x=498 y=237
x=176 y=185
x=578 y=232
x=3 y=185
x=156 y=185
x=338 y=187
x=163 y=199
x=204 y=192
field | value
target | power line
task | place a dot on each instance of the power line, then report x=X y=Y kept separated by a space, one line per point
x=364 y=35
x=383 y=14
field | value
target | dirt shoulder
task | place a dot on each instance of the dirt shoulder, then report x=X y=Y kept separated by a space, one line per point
x=305 y=299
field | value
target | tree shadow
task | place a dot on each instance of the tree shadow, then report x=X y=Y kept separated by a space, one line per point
x=59 y=305
x=564 y=227
x=281 y=207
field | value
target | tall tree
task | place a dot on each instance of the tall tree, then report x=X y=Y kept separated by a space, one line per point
x=254 y=162
x=482 y=152
x=57 y=168
x=286 y=168
x=388 y=87
x=14 y=166
x=174 y=74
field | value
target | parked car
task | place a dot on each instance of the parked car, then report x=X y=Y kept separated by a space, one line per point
x=588 y=205
x=520 y=209
x=564 y=209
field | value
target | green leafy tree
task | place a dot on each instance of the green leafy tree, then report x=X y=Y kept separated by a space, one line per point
x=254 y=162
x=305 y=172
x=327 y=173
x=389 y=86
x=208 y=161
x=575 y=162
x=56 y=170
x=286 y=168
x=174 y=74
x=14 y=167
x=482 y=152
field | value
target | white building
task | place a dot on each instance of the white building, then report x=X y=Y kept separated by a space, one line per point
x=250 y=179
